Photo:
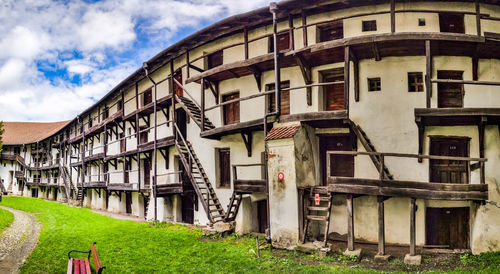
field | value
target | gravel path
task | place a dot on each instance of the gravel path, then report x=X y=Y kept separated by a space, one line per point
x=18 y=241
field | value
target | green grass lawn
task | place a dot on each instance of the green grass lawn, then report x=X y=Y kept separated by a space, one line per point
x=126 y=246
x=6 y=218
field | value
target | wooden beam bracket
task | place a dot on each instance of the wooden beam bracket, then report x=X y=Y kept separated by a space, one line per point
x=306 y=71
x=257 y=74
x=248 y=142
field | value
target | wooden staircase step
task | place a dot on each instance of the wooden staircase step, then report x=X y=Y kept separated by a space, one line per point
x=317 y=218
x=318 y=208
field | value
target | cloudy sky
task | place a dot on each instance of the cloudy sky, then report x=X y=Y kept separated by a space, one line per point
x=58 y=57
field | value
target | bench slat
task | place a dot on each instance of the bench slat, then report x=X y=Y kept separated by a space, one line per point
x=70 y=266
x=77 y=266
x=82 y=266
x=87 y=266
x=97 y=262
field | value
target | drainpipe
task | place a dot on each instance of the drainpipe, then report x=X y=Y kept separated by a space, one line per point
x=273 y=8
x=155 y=155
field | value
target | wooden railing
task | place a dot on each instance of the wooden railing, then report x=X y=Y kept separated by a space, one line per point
x=246 y=185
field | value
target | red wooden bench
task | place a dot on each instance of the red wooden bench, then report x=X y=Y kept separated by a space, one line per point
x=82 y=266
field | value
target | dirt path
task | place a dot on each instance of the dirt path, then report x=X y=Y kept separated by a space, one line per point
x=18 y=241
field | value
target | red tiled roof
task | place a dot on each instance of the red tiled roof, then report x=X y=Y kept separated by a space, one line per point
x=282 y=132
x=17 y=133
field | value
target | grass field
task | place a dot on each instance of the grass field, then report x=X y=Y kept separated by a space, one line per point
x=6 y=218
x=126 y=246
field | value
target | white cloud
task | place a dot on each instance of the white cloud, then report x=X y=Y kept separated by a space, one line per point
x=43 y=37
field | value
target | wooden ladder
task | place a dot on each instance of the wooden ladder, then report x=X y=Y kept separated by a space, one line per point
x=369 y=147
x=199 y=179
x=193 y=111
x=313 y=211
x=234 y=205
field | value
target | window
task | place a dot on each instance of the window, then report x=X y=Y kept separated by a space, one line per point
x=232 y=110
x=147 y=97
x=283 y=42
x=450 y=22
x=214 y=59
x=370 y=25
x=374 y=84
x=285 y=98
x=333 y=31
x=224 y=168
x=415 y=82
x=421 y=22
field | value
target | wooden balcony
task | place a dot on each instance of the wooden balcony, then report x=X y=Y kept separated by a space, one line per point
x=243 y=186
x=19 y=174
x=405 y=188
x=169 y=183
x=117 y=116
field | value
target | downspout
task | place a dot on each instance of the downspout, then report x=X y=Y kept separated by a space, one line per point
x=155 y=155
x=273 y=8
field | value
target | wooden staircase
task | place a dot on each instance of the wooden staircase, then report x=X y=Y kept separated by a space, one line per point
x=193 y=111
x=234 y=205
x=319 y=212
x=79 y=196
x=68 y=185
x=199 y=179
x=365 y=141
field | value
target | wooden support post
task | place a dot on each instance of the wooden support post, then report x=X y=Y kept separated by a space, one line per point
x=291 y=32
x=381 y=226
x=306 y=71
x=356 y=78
x=478 y=18
x=187 y=64
x=393 y=16
x=421 y=132
x=475 y=68
x=412 y=227
x=381 y=167
x=245 y=37
x=350 y=222
x=346 y=78
x=202 y=104
x=481 y=127
x=428 y=73
x=304 y=28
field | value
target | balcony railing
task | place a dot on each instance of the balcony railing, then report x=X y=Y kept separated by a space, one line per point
x=249 y=185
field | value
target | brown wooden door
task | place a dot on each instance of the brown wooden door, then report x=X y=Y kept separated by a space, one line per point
x=147 y=172
x=225 y=167
x=448 y=171
x=181 y=120
x=188 y=201
x=334 y=94
x=284 y=97
x=283 y=42
x=178 y=89
x=340 y=165
x=126 y=176
x=128 y=202
x=447 y=227
x=146 y=203
x=148 y=97
x=450 y=95
x=143 y=136
x=231 y=111
x=262 y=215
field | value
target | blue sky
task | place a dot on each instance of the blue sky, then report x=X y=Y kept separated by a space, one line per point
x=58 y=57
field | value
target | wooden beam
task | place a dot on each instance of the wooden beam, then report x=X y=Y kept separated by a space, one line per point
x=215 y=90
x=306 y=71
x=478 y=17
x=421 y=132
x=350 y=222
x=291 y=32
x=257 y=74
x=393 y=16
x=355 y=63
x=245 y=37
x=413 y=208
x=304 y=29
x=381 y=226
x=428 y=73
x=376 y=52
x=202 y=110
x=187 y=62
x=346 y=77
x=475 y=68
x=248 y=142
x=196 y=68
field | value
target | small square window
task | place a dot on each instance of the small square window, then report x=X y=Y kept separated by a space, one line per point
x=370 y=25
x=421 y=21
x=415 y=82
x=374 y=84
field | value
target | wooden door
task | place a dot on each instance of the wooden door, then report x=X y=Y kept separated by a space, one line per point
x=147 y=97
x=123 y=142
x=447 y=171
x=55 y=194
x=181 y=121
x=450 y=95
x=225 y=168
x=340 y=165
x=231 y=111
x=146 y=203
x=143 y=135
x=262 y=215
x=106 y=193
x=447 y=227
x=147 y=172
x=334 y=94
x=126 y=175
x=178 y=89
x=284 y=97
x=128 y=202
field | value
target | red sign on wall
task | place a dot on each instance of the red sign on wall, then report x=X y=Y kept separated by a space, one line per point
x=281 y=176
x=316 y=199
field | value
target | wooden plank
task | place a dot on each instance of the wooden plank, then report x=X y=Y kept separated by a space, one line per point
x=87 y=266
x=466 y=82
x=381 y=226
x=478 y=17
x=304 y=29
x=316 y=218
x=346 y=77
x=428 y=73
x=350 y=222
x=393 y=16
x=70 y=266
x=77 y=266
x=412 y=227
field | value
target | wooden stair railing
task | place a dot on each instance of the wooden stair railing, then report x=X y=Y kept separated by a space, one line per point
x=314 y=210
x=369 y=147
x=193 y=111
x=199 y=179
x=68 y=185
